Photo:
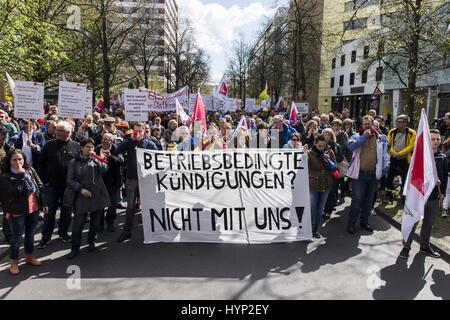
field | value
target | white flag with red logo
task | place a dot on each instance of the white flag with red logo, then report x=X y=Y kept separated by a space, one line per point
x=199 y=112
x=241 y=125
x=294 y=112
x=221 y=95
x=180 y=112
x=421 y=180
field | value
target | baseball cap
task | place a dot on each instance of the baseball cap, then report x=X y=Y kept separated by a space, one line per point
x=122 y=124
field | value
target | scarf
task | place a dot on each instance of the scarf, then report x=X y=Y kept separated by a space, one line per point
x=28 y=180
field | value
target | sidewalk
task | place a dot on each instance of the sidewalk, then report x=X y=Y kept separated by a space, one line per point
x=440 y=236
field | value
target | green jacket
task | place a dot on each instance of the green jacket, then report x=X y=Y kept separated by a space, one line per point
x=10 y=130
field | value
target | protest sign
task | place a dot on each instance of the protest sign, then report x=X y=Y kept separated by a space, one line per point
x=29 y=100
x=248 y=196
x=136 y=105
x=71 y=100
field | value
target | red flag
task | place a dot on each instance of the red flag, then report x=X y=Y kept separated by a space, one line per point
x=421 y=180
x=199 y=112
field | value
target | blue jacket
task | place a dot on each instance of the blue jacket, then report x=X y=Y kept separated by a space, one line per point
x=128 y=147
x=383 y=159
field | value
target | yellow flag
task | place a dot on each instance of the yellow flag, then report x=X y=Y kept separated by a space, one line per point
x=264 y=95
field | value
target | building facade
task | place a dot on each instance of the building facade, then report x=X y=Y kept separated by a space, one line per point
x=356 y=83
x=161 y=17
x=351 y=78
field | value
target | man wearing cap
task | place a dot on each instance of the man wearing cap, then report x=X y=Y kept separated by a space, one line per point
x=109 y=127
x=401 y=141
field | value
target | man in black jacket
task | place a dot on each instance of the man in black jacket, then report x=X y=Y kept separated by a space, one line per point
x=432 y=205
x=128 y=148
x=112 y=178
x=53 y=167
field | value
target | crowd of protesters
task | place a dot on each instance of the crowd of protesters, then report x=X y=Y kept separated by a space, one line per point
x=88 y=168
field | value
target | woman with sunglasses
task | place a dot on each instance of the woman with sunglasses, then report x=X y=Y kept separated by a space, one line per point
x=294 y=143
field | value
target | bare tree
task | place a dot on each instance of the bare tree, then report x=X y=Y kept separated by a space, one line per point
x=237 y=66
x=109 y=27
x=189 y=63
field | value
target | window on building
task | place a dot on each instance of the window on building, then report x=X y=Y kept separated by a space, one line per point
x=332 y=82
x=353 y=56
x=343 y=60
x=333 y=63
x=352 y=78
x=341 y=81
x=364 y=76
x=445 y=60
x=355 y=24
x=366 y=52
x=350 y=5
x=379 y=75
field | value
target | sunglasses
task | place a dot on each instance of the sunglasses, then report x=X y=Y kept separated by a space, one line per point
x=295 y=139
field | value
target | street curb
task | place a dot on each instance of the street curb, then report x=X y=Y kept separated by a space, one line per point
x=444 y=255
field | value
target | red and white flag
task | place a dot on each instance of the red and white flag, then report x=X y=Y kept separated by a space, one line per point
x=221 y=95
x=241 y=125
x=421 y=180
x=223 y=87
x=294 y=112
x=199 y=112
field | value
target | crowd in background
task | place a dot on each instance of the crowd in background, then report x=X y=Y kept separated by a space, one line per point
x=87 y=168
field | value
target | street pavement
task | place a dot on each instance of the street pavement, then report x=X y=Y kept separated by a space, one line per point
x=339 y=266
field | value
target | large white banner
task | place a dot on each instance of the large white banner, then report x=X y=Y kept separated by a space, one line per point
x=249 y=196
x=88 y=102
x=166 y=103
x=136 y=105
x=71 y=100
x=29 y=100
